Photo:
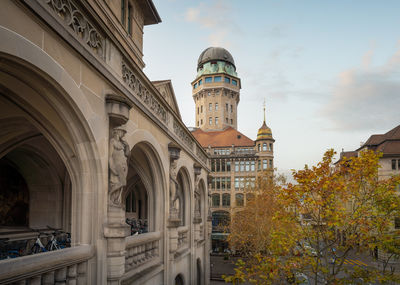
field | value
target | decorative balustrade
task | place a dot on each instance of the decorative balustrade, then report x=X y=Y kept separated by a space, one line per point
x=67 y=266
x=182 y=236
x=141 y=249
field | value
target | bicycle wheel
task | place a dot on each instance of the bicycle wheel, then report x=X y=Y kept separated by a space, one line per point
x=36 y=248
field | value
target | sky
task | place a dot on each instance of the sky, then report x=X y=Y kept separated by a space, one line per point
x=329 y=71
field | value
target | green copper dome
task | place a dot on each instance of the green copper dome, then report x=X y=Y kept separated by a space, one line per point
x=216 y=60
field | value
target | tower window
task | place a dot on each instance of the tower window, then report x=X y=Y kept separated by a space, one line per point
x=265 y=164
x=231 y=109
x=201 y=121
x=231 y=122
x=200 y=81
x=217 y=79
x=270 y=146
x=234 y=82
x=210 y=107
x=216 y=106
x=208 y=80
x=195 y=86
x=198 y=110
x=201 y=108
x=210 y=121
x=227 y=107
x=271 y=164
x=198 y=123
x=227 y=80
x=216 y=120
x=259 y=147
x=226 y=120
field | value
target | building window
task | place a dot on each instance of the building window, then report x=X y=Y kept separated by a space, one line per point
x=216 y=106
x=241 y=182
x=231 y=109
x=397 y=223
x=231 y=122
x=130 y=203
x=195 y=85
x=215 y=200
x=223 y=185
x=242 y=166
x=223 y=165
x=226 y=120
x=271 y=164
x=228 y=166
x=236 y=182
x=226 y=200
x=227 y=107
x=130 y=13
x=236 y=166
x=123 y=12
x=201 y=121
x=259 y=147
x=228 y=183
x=216 y=120
x=208 y=80
x=217 y=79
x=265 y=164
x=198 y=123
x=264 y=147
x=247 y=165
x=239 y=200
x=227 y=80
x=253 y=166
x=218 y=183
x=200 y=81
x=234 y=82
x=217 y=165
x=259 y=165
x=198 y=110
x=393 y=164
x=270 y=146
x=249 y=196
x=210 y=107
x=210 y=121
x=201 y=108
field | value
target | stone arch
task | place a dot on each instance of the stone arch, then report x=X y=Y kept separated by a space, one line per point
x=179 y=280
x=48 y=104
x=199 y=271
x=146 y=171
x=184 y=180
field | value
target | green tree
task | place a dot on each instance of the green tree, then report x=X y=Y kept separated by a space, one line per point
x=313 y=225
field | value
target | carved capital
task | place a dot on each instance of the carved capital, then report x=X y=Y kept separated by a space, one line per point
x=174 y=151
x=117 y=109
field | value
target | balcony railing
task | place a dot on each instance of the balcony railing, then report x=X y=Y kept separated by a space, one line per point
x=142 y=249
x=66 y=266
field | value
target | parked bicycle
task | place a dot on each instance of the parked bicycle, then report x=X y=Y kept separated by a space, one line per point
x=56 y=240
x=137 y=226
x=12 y=249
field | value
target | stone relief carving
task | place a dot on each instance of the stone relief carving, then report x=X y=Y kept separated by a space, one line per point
x=74 y=18
x=183 y=135
x=143 y=94
x=119 y=153
x=174 y=190
x=201 y=155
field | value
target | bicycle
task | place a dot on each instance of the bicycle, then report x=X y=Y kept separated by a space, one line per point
x=38 y=245
x=59 y=240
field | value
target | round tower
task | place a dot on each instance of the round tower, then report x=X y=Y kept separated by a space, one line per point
x=265 y=147
x=216 y=90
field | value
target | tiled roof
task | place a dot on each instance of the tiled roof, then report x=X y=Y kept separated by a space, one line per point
x=388 y=143
x=227 y=137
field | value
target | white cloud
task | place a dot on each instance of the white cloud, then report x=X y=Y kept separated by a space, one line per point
x=216 y=18
x=366 y=97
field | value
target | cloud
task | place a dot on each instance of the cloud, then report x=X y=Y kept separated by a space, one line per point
x=215 y=17
x=366 y=97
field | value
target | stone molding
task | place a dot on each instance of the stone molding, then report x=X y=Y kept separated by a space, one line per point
x=184 y=136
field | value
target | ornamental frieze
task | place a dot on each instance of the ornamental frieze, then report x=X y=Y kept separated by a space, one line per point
x=143 y=94
x=183 y=135
x=73 y=17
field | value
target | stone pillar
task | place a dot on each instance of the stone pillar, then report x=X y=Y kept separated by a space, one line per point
x=116 y=229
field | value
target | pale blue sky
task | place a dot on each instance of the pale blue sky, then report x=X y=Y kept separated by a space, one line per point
x=328 y=70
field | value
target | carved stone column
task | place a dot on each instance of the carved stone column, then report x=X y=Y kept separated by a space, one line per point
x=116 y=230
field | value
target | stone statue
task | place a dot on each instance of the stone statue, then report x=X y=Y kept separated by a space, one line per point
x=118 y=155
x=197 y=206
x=174 y=189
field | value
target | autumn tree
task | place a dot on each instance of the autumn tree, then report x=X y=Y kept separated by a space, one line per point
x=313 y=225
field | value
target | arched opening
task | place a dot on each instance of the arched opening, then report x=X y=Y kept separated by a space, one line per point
x=198 y=272
x=143 y=190
x=179 y=280
x=46 y=144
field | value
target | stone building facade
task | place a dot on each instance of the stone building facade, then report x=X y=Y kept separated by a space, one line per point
x=236 y=160
x=87 y=141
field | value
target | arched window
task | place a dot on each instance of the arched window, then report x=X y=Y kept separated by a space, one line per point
x=265 y=147
x=226 y=200
x=179 y=280
x=215 y=200
x=249 y=197
x=239 y=200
